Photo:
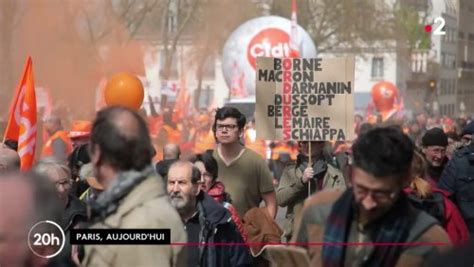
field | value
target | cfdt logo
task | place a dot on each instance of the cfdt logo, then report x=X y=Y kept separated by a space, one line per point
x=437 y=27
x=270 y=42
x=46 y=239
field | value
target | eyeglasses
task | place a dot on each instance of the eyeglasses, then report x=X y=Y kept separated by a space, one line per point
x=64 y=183
x=206 y=174
x=437 y=150
x=377 y=195
x=221 y=127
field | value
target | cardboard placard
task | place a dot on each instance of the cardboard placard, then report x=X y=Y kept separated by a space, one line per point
x=306 y=99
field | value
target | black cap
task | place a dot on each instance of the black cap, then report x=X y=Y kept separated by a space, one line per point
x=434 y=137
x=469 y=129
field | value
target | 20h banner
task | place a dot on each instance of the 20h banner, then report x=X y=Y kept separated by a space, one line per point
x=305 y=99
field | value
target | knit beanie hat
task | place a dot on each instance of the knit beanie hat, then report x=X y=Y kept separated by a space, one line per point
x=434 y=137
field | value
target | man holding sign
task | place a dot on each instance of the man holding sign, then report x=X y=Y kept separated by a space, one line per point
x=309 y=100
x=296 y=178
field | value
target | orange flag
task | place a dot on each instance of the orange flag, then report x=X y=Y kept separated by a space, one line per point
x=21 y=125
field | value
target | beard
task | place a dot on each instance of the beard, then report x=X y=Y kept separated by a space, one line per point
x=177 y=201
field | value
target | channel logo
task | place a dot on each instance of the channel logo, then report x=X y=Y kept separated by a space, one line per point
x=46 y=239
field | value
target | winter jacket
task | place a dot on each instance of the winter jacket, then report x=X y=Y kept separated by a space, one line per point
x=217 y=191
x=291 y=192
x=217 y=227
x=458 y=179
x=310 y=228
x=145 y=206
x=74 y=213
x=441 y=208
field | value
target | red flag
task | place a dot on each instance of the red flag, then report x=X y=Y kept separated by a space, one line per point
x=294 y=42
x=21 y=125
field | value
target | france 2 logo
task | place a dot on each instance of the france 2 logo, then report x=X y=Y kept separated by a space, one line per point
x=438 y=25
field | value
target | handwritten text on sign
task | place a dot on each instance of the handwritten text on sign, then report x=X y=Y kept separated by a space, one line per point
x=305 y=99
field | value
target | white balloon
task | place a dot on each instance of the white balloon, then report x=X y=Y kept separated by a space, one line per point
x=263 y=36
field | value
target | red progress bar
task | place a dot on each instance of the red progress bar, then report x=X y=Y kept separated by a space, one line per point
x=305 y=244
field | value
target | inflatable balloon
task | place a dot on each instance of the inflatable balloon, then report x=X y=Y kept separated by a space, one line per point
x=384 y=95
x=124 y=89
x=267 y=36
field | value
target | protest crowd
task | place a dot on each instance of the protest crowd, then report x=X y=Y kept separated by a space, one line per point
x=206 y=177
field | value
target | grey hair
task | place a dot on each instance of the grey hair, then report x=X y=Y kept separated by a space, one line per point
x=44 y=165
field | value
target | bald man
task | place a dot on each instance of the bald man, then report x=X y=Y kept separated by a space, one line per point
x=171 y=151
x=133 y=196
x=9 y=159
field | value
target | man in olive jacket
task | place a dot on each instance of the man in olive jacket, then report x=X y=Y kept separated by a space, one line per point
x=134 y=197
x=296 y=177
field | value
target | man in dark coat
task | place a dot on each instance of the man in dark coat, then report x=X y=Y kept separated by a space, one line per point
x=206 y=221
x=458 y=179
x=435 y=143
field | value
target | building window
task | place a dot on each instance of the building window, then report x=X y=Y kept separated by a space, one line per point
x=442 y=85
x=377 y=67
x=172 y=18
x=471 y=37
x=461 y=35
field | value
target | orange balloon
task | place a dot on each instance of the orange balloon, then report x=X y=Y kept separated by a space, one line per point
x=384 y=95
x=124 y=89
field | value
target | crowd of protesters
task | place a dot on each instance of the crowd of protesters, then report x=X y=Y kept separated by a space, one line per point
x=211 y=181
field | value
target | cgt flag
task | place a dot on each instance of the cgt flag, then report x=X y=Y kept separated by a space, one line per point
x=21 y=125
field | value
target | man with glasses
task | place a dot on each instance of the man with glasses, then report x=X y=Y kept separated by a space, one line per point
x=74 y=210
x=244 y=173
x=374 y=210
x=434 y=144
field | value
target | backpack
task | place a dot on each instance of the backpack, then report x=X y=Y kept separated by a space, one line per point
x=434 y=205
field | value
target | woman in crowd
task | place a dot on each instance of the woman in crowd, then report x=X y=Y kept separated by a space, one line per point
x=206 y=163
x=435 y=202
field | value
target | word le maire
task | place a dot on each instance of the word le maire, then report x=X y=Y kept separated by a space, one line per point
x=314 y=128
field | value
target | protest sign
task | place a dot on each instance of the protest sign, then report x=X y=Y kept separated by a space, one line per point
x=305 y=99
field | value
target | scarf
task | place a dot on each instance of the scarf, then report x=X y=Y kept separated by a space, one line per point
x=108 y=201
x=434 y=173
x=393 y=227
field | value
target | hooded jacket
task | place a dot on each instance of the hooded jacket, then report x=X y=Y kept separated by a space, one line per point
x=441 y=208
x=217 y=227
